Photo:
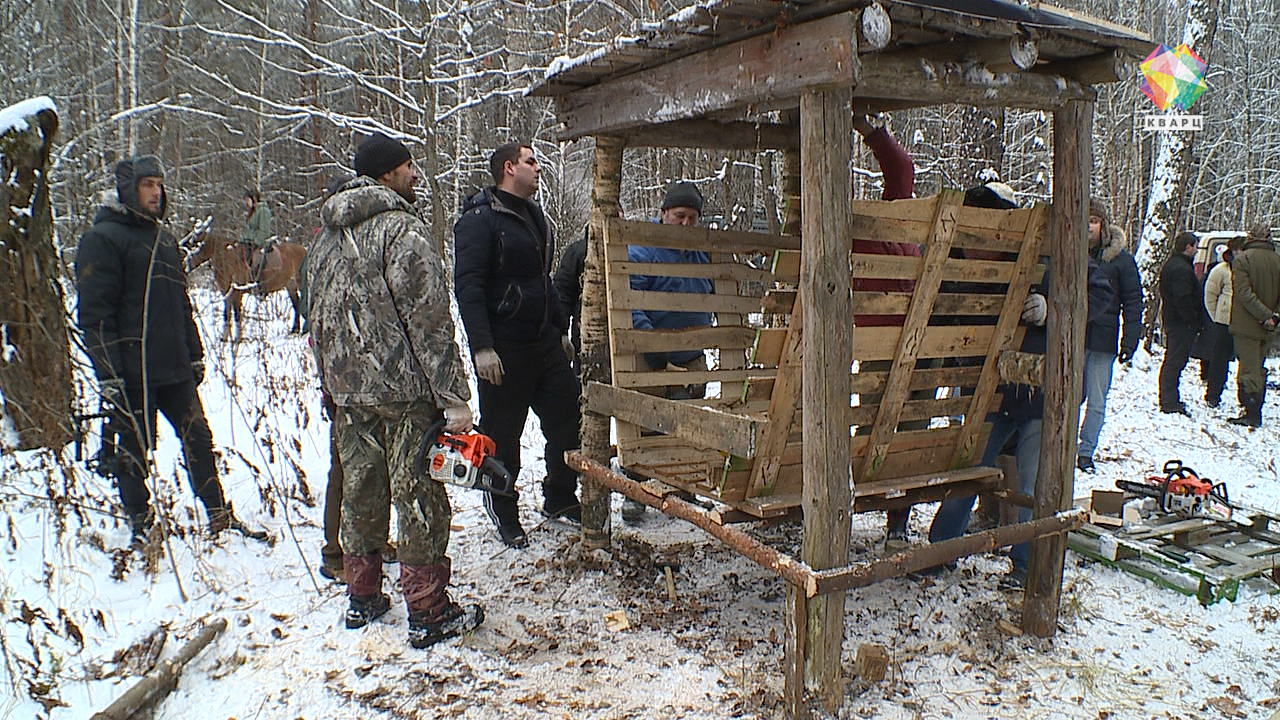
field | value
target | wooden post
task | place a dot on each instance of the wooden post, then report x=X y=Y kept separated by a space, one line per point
x=159 y=682
x=594 y=355
x=826 y=126
x=1064 y=357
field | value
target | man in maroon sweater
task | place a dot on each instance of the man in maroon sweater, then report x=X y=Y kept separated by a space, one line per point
x=899 y=178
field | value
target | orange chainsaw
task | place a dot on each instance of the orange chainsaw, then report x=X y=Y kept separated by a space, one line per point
x=464 y=459
x=1182 y=492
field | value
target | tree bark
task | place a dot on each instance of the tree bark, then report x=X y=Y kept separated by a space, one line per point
x=162 y=680
x=35 y=368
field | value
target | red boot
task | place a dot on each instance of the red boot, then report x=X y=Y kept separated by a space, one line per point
x=364 y=587
x=433 y=615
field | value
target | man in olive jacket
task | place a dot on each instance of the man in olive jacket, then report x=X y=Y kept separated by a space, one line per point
x=1255 y=304
x=1181 y=314
x=139 y=331
x=384 y=341
x=517 y=330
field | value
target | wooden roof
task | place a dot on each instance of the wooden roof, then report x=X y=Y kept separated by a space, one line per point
x=747 y=56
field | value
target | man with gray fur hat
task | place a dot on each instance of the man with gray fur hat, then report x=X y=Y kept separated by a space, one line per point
x=140 y=334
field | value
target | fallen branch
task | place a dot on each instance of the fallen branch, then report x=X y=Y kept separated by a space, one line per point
x=159 y=682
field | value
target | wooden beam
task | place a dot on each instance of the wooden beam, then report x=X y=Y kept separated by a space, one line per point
x=1021 y=367
x=715 y=134
x=1097 y=69
x=997 y=54
x=826 y=124
x=1064 y=357
x=927 y=556
x=594 y=357
x=919 y=80
x=755 y=71
x=643 y=341
x=705 y=239
x=705 y=427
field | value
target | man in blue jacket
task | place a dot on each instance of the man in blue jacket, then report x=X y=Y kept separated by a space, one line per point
x=514 y=322
x=1104 y=343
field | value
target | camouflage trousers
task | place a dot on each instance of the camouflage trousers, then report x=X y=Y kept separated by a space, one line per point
x=378 y=447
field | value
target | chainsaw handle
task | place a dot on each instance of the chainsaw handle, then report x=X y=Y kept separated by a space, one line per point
x=428 y=439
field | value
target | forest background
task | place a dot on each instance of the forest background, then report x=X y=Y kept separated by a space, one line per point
x=274 y=95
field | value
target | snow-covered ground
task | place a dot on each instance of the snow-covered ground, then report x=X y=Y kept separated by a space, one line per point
x=73 y=605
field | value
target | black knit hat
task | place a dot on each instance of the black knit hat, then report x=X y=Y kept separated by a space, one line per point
x=379 y=155
x=683 y=194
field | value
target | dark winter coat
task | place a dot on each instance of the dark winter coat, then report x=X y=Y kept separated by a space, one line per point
x=1180 y=295
x=133 y=298
x=379 y=304
x=1026 y=402
x=568 y=281
x=1255 y=295
x=502 y=273
x=1122 y=272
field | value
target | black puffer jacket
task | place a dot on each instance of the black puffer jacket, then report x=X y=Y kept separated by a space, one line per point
x=1181 y=295
x=133 y=299
x=502 y=273
x=1118 y=265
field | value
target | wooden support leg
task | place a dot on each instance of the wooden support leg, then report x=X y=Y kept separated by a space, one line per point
x=797 y=622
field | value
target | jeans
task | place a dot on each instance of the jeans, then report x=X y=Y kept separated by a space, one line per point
x=953 y=515
x=1097 y=383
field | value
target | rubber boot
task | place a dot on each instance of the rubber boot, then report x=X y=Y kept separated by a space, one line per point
x=364 y=588
x=1252 y=415
x=433 y=615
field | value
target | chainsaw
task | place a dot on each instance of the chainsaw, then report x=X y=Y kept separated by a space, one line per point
x=1180 y=491
x=464 y=459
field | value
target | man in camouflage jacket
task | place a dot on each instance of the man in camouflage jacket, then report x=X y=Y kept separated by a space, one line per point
x=1255 y=313
x=383 y=336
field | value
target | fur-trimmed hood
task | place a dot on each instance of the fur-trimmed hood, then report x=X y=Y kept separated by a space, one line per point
x=1113 y=242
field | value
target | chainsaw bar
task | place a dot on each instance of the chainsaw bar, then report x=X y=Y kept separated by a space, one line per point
x=1181 y=491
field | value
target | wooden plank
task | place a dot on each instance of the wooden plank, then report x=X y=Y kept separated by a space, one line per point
x=704 y=239
x=703 y=133
x=735 y=271
x=642 y=341
x=783 y=406
x=880 y=343
x=664 y=378
x=701 y=426
x=827 y=297
x=911 y=336
x=868 y=382
x=915 y=78
x=621 y=364
x=731 y=357
x=1072 y=165
x=1002 y=338
x=755 y=71
x=684 y=302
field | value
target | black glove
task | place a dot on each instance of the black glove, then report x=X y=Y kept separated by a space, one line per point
x=1125 y=356
x=197 y=371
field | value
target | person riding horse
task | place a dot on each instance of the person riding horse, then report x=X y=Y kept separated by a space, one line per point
x=256 y=239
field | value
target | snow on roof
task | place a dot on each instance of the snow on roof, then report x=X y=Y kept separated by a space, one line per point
x=15 y=116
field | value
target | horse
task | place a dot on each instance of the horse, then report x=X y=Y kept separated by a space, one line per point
x=234 y=277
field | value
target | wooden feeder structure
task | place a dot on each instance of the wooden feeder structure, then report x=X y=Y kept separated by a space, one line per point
x=807 y=412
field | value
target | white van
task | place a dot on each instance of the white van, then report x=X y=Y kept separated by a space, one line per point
x=1207 y=247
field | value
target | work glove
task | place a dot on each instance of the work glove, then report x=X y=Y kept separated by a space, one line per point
x=1034 y=309
x=566 y=343
x=489 y=366
x=457 y=419
x=1125 y=356
x=112 y=391
x=197 y=371
x=672 y=367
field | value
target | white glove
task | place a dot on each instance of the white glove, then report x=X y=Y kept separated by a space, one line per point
x=489 y=366
x=457 y=419
x=1035 y=309
x=567 y=344
x=672 y=367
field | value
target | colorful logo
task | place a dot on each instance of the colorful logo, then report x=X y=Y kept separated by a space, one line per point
x=1173 y=77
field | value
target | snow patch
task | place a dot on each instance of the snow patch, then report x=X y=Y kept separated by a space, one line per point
x=15 y=116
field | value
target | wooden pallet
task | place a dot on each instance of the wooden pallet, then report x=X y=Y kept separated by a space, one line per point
x=1207 y=559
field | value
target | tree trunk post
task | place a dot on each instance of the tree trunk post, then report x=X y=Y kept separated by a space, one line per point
x=594 y=355
x=35 y=366
x=1064 y=357
x=826 y=126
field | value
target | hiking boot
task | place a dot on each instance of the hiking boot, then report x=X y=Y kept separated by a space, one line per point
x=456 y=620
x=1178 y=409
x=632 y=511
x=140 y=525
x=365 y=609
x=390 y=553
x=896 y=540
x=1013 y=581
x=505 y=514
x=1084 y=463
x=331 y=569
x=570 y=512
x=1213 y=402
x=222 y=519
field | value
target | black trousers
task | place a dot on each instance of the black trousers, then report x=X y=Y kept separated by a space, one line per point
x=180 y=405
x=1178 y=342
x=1220 y=353
x=536 y=376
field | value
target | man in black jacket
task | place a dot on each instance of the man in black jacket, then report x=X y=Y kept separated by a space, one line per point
x=1104 y=343
x=140 y=333
x=1180 y=315
x=514 y=325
